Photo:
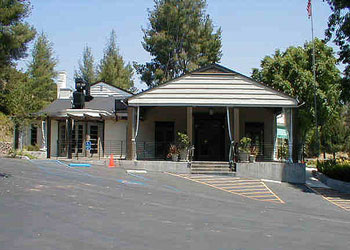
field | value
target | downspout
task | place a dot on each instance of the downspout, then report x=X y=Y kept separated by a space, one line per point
x=136 y=131
x=231 y=150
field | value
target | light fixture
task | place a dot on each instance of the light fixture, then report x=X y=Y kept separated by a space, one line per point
x=211 y=111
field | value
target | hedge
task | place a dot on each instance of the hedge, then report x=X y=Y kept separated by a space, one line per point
x=339 y=170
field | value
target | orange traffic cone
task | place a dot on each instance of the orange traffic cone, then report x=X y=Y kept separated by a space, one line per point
x=111 y=162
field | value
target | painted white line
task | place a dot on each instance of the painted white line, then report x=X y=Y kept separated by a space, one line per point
x=267 y=180
x=136 y=171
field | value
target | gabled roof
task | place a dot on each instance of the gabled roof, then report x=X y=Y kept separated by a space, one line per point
x=213 y=85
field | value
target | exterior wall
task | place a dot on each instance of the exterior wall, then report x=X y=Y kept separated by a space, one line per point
x=54 y=138
x=145 y=141
x=262 y=115
x=115 y=134
x=161 y=114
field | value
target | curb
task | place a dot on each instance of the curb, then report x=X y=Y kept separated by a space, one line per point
x=341 y=186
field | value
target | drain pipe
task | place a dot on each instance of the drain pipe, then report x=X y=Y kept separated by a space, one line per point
x=137 y=131
x=230 y=156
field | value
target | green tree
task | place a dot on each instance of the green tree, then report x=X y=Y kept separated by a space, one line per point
x=42 y=72
x=180 y=38
x=291 y=72
x=339 y=31
x=112 y=69
x=86 y=69
x=15 y=35
x=18 y=98
x=334 y=136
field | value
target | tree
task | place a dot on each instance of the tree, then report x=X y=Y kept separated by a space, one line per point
x=339 y=30
x=180 y=38
x=112 y=69
x=86 y=69
x=15 y=35
x=291 y=72
x=42 y=72
x=334 y=136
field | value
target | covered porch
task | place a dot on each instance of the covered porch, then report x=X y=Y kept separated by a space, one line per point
x=215 y=107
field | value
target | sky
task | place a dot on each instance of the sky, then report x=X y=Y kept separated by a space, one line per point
x=251 y=29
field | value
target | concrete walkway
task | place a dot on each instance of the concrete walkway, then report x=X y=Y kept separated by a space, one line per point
x=312 y=181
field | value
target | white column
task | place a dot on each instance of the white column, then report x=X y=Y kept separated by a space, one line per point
x=236 y=125
x=289 y=123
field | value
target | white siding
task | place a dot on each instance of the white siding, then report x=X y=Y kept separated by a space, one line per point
x=203 y=89
x=104 y=90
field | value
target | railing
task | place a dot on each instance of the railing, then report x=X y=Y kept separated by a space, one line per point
x=98 y=149
x=159 y=150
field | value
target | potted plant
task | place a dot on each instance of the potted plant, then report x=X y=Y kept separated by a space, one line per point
x=183 y=145
x=244 y=149
x=252 y=155
x=173 y=152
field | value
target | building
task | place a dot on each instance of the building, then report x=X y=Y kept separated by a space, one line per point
x=97 y=130
x=216 y=107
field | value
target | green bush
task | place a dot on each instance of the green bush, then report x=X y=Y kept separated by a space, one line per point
x=339 y=170
x=32 y=147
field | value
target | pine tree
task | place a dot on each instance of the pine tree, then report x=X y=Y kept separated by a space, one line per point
x=86 y=69
x=42 y=72
x=180 y=38
x=15 y=34
x=112 y=69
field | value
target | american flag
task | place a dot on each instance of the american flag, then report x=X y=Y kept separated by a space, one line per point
x=309 y=9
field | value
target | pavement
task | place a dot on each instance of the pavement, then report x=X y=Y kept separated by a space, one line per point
x=47 y=205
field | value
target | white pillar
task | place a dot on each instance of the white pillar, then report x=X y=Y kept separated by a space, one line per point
x=289 y=123
x=236 y=125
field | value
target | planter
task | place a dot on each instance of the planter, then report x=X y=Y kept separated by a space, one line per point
x=243 y=157
x=183 y=155
x=175 y=157
x=252 y=158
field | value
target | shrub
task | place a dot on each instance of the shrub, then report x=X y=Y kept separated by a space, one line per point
x=339 y=170
x=32 y=147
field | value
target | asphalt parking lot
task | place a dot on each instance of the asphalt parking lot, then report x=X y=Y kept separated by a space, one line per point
x=46 y=205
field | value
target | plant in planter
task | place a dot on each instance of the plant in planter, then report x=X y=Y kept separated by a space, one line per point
x=183 y=145
x=244 y=149
x=173 y=152
x=253 y=153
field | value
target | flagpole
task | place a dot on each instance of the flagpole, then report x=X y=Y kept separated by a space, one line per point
x=314 y=80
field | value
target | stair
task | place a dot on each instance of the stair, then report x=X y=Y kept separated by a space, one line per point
x=211 y=167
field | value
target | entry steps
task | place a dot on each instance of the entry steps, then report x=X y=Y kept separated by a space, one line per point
x=211 y=167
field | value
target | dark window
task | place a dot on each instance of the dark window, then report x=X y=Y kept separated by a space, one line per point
x=33 y=135
x=164 y=136
x=255 y=131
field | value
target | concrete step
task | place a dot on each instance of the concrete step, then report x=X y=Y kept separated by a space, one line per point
x=207 y=167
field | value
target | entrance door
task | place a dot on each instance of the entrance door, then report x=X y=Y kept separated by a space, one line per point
x=94 y=135
x=164 y=136
x=209 y=139
x=62 y=140
x=77 y=138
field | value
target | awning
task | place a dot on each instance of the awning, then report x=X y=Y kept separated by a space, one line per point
x=282 y=133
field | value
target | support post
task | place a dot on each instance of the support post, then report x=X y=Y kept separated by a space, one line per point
x=48 y=138
x=236 y=125
x=69 y=137
x=190 y=124
x=131 y=134
x=289 y=122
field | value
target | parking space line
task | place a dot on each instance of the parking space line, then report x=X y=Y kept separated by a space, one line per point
x=248 y=188
x=336 y=198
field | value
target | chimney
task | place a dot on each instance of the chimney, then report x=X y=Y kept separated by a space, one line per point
x=61 y=82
